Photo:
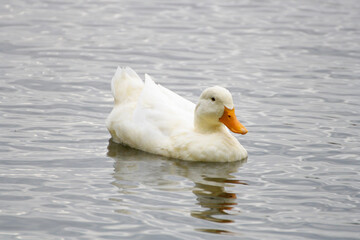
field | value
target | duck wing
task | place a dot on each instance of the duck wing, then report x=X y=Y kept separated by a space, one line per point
x=160 y=111
x=146 y=115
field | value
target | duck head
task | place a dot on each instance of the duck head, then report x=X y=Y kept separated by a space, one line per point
x=216 y=107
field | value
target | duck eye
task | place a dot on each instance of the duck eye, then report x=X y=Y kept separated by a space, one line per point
x=213 y=99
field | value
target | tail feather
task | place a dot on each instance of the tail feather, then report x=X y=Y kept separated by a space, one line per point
x=124 y=84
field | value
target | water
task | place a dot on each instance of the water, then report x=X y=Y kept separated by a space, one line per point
x=293 y=68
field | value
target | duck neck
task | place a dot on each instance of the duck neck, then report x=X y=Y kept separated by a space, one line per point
x=203 y=125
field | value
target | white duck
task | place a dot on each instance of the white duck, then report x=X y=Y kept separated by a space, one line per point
x=151 y=118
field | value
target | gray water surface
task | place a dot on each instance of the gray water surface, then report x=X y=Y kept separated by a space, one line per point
x=293 y=68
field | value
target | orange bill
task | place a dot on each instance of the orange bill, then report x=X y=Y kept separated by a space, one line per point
x=230 y=120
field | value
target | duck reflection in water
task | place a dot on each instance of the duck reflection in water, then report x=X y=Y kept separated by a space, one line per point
x=133 y=167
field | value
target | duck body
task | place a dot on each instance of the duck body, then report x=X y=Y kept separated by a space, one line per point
x=151 y=118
